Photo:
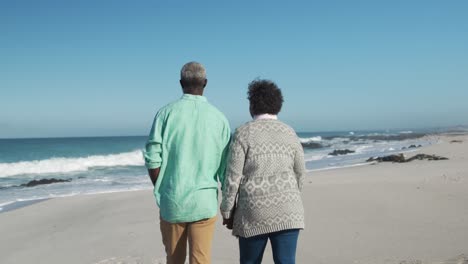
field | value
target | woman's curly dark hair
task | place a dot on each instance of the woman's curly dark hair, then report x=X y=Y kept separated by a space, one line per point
x=265 y=97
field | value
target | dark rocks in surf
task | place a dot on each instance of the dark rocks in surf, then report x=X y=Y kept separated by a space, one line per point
x=400 y=158
x=311 y=145
x=412 y=146
x=456 y=141
x=43 y=181
x=390 y=158
x=337 y=152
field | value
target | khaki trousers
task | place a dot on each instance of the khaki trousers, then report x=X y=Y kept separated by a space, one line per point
x=199 y=235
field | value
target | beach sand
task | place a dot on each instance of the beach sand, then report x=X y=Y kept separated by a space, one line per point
x=409 y=213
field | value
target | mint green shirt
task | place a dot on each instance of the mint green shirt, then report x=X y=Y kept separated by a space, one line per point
x=189 y=141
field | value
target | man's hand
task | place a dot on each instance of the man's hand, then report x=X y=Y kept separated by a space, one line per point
x=228 y=223
x=154 y=173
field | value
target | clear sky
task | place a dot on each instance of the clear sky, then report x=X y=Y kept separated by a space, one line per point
x=95 y=68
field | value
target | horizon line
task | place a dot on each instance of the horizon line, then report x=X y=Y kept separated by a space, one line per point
x=322 y=131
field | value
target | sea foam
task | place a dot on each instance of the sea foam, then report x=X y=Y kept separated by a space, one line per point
x=311 y=139
x=64 y=165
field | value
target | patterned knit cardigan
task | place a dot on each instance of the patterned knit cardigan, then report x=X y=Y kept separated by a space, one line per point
x=266 y=169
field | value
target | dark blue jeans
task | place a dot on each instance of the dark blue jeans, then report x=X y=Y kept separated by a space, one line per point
x=283 y=245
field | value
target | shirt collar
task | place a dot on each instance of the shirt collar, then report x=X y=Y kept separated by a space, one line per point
x=265 y=116
x=194 y=97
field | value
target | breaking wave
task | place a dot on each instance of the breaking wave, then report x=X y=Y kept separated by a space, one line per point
x=64 y=165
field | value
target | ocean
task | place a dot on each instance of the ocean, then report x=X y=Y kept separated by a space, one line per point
x=91 y=165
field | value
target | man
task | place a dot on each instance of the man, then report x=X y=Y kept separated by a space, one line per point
x=185 y=157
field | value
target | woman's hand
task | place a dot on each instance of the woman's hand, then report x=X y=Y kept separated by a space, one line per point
x=228 y=223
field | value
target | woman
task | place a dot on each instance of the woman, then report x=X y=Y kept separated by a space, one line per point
x=264 y=176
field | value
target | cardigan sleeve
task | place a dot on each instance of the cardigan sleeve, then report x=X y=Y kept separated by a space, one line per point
x=234 y=173
x=299 y=165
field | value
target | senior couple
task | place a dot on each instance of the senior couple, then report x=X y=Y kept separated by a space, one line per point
x=261 y=169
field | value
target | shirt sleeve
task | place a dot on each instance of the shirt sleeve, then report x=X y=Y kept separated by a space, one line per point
x=222 y=165
x=234 y=173
x=153 y=148
x=299 y=165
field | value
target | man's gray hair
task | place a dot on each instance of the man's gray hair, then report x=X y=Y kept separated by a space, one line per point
x=193 y=71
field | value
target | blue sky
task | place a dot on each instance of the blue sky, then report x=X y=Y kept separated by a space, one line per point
x=95 y=68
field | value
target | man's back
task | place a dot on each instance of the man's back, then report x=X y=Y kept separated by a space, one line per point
x=188 y=142
x=185 y=157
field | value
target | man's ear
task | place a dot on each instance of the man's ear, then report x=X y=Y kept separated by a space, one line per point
x=181 y=84
x=206 y=82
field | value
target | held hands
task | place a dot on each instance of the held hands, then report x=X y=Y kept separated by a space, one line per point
x=228 y=223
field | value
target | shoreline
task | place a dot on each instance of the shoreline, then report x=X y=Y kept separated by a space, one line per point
x=19 y=204
x=25 y=203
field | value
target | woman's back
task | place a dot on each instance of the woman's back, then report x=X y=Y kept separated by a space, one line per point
x=267 y=168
